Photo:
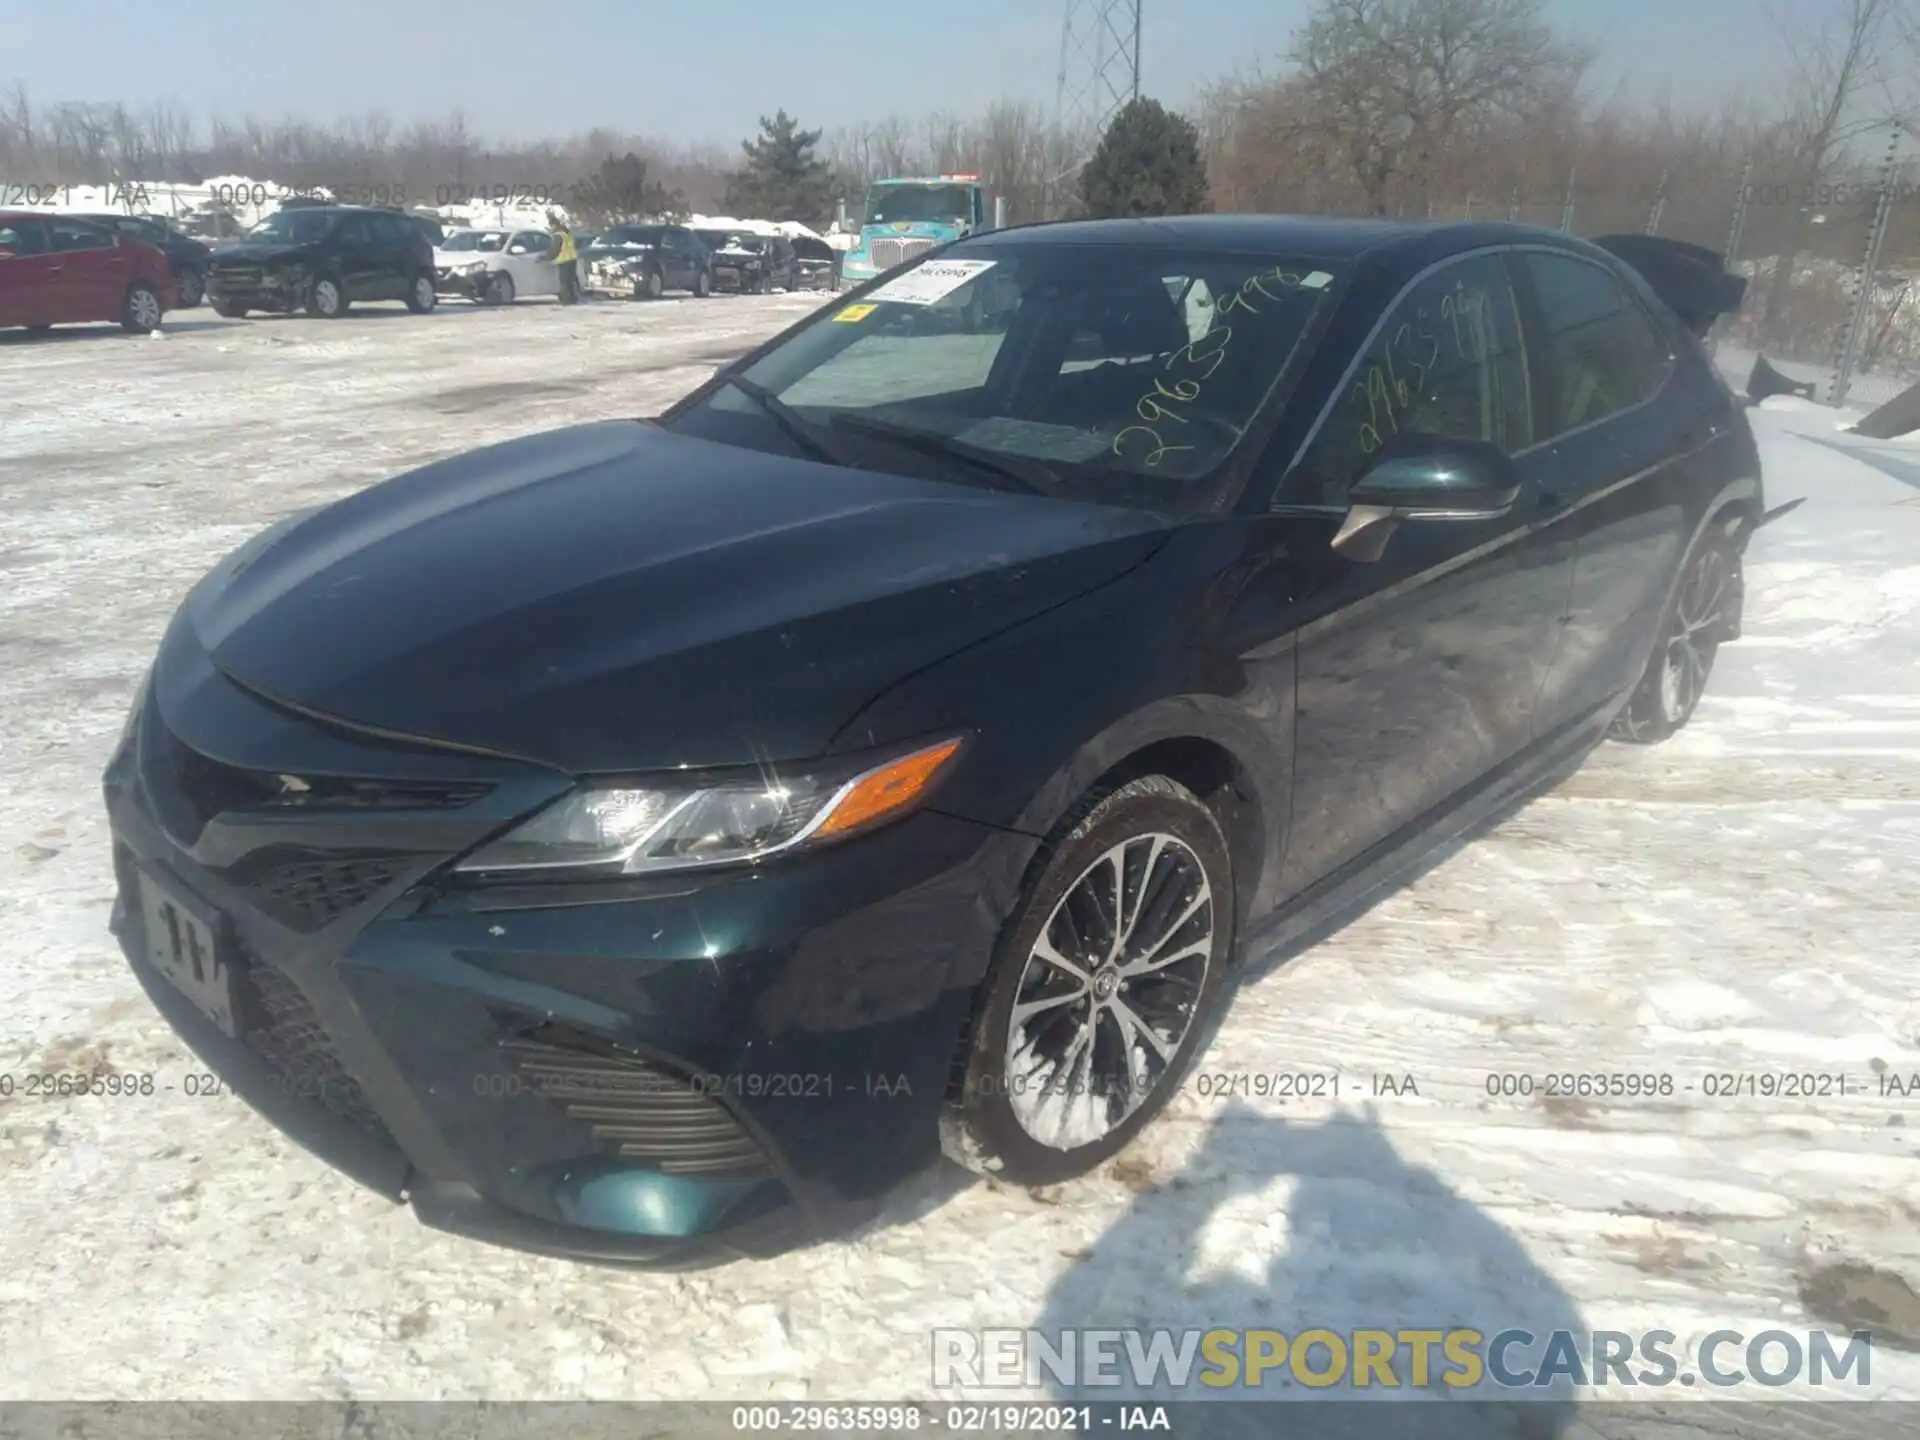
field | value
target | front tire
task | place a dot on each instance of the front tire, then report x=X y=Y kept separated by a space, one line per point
x=326 y=298
x=1703 y=614
x=421 y=297
x=649 y=286
x=192 y=289
x=500 y=289
x=1102 y=990
x=140 y=312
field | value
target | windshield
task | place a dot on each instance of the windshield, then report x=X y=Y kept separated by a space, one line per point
x=631 y=235
x=463 y=240
x=888 y=204
x=293 y=227
x=1131 y=373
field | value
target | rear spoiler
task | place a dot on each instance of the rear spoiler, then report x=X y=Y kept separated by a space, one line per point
x=1691 y=280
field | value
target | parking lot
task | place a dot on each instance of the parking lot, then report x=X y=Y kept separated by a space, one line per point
x=1741 y=901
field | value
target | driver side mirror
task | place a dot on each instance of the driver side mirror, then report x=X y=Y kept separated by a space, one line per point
x=1429 y=479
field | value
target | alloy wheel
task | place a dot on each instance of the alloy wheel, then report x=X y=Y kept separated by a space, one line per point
x=1699 y=616
x=326 y=297
x=1109 y=991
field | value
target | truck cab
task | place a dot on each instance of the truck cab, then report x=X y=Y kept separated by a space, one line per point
x=906 y=216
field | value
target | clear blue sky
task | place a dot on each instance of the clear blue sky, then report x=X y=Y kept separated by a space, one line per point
x=704 y=72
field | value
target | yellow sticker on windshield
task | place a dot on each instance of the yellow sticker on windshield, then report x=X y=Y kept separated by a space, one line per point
x=855 y=313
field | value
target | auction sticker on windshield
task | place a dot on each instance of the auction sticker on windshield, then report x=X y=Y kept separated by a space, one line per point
x=932 y=281
x=855 y=313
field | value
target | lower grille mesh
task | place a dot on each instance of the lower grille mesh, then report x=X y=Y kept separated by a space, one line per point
x=310 y=893
x=281 y=1028
x=634 y=1109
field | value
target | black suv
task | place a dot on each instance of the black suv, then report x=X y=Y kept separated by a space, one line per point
x=751 y=264
x=187 y=257
x=321 y=259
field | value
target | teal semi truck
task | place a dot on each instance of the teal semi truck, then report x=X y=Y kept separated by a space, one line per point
x=907 y=216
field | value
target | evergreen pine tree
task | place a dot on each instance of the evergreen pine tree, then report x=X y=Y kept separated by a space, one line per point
x=782 y=178
x=1148 y=163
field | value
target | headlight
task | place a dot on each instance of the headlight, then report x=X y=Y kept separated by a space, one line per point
x=473 y=267
x=644 y=831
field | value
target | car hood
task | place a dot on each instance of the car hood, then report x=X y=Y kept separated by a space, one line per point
x=450 y=258
x=257 y=252
x=613 y=597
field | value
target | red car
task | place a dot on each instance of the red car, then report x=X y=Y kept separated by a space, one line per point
x=61 y=270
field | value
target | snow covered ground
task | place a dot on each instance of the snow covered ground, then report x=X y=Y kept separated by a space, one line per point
x=1741 y=900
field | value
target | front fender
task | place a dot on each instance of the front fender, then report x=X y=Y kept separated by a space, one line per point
x=1074 y=694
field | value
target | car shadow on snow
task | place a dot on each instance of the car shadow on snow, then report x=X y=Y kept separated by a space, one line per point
x=1291 y=1225
x=1368 y=1241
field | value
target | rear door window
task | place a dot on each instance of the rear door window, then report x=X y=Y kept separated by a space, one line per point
x=1601 y=351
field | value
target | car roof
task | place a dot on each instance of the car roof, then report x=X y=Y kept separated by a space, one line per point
x=1416 y=243
x=51 y=215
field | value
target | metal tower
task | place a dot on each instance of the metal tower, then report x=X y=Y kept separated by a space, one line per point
x=1099 y=64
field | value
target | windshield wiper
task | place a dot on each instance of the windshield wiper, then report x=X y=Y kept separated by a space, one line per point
x=1028 y=475
x=789 y=420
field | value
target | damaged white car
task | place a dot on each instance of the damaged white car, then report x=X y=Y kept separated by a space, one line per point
x=496 y=266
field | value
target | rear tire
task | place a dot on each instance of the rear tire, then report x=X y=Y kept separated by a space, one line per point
x=192 y=289
x=1703 y=614
x=1105 y=1026
x=140 y=312
x=421 y=297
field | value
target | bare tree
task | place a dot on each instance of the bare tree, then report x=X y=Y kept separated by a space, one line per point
x=1392 y=86
x=1840 y=54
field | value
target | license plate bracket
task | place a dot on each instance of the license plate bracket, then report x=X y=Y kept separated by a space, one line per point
x=187 y=942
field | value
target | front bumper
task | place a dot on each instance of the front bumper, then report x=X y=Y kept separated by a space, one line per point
x=257 y=288
x=465 y=287
x=665 y=1075
x=735 y=277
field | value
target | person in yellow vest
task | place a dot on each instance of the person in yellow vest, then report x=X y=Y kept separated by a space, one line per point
x=567 y=257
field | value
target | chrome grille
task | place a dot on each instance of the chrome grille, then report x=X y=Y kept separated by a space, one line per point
x=889 y=253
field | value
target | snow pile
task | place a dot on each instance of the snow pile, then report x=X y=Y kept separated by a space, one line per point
x=249 y=201
x=788 y=228
x=503 y=217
